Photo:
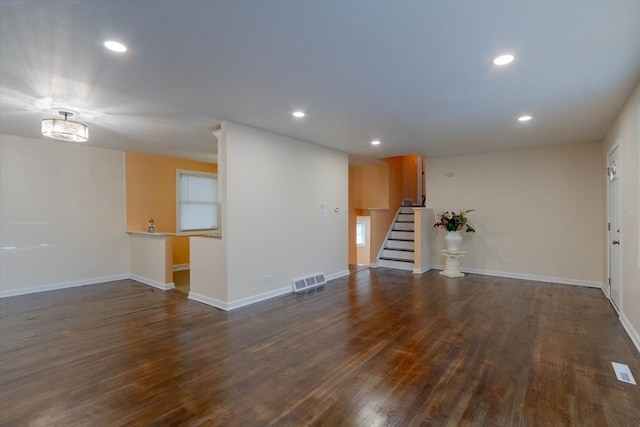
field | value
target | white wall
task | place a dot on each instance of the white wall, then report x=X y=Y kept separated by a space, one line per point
x=626 y=131
x=62 y=207
x=272 y=222
x=539 y=210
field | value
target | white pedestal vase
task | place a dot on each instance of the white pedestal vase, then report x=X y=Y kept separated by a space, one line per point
x=452 y=264
x=453 y=255
x=453 y=240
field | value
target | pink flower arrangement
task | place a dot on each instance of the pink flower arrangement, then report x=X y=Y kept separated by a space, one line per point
x=452 y=221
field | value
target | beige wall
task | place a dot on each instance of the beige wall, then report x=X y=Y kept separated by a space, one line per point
x=626 y=132
x=424 y=248
x=539 y=210
x=208 y=275
x=271 y=215
x=151 y=259
x=62 y=220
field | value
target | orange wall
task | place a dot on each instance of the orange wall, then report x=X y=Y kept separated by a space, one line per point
x=403 y=179
x=410 y=178
x=396 y=189
x=151 y=192
x=381 y=220
x=382 y=185
x=369 y=186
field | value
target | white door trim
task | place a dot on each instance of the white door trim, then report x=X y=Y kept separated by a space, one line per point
x=616 y=145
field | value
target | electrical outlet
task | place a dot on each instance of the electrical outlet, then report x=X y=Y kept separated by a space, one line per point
x=336 y=210
x=268 y=278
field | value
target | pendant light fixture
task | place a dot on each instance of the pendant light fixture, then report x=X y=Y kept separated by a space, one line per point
x=65 y=130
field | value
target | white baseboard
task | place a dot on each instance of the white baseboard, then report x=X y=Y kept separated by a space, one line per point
x=337 y=275
x=232 y=305
x=260 y=297
x=510 y=275
x=633 y=334
x=228 y=306
x=374 y=265
x=422 y=270
x=151 y=282
x=180 y=267
x=209 y=301
x=63 y=285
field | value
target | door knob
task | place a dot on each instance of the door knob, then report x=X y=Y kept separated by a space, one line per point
x=616 y=242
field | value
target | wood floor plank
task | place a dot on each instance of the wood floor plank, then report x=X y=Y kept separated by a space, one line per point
x=380 y=347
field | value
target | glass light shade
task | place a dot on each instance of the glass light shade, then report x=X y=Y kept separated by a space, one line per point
x=65 y=130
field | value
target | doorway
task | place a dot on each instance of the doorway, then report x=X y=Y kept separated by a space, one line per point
x=613 y=224
x=181 y=280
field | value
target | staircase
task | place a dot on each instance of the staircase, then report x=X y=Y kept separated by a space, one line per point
x=397 y=250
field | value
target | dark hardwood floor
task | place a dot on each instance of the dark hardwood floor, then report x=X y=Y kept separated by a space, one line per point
x=381 y=347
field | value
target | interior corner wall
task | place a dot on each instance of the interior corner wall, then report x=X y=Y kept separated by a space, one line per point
x=539 y=211
x=274 y=189
x=410 y=178
x=396 y=181
x=626 y=131
x=151 y=192
x=62 y=218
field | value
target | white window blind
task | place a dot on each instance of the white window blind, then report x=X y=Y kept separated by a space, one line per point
x=360 y=234
x=197 y=201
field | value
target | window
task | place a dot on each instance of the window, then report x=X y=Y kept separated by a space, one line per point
x=197 y=209
x=360 y=234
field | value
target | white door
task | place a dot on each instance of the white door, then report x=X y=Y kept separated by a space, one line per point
x=613 y=234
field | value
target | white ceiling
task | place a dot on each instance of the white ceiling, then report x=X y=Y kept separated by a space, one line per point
x=417 y=75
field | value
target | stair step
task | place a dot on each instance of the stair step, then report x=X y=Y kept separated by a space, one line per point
x=387 y=258
x=402 y=234
x=398 y=250
x=397 y=264
x=398 y=254
x=402 y=226
x=399 y=244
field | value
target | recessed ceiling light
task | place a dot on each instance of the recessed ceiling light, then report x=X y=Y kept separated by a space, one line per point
x=525 y=118
x=503 y=60
x=375 y=142
x=115 y=46
x=298 y=114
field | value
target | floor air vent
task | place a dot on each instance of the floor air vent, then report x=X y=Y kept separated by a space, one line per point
x=304 y=283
